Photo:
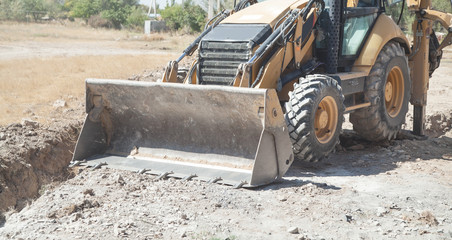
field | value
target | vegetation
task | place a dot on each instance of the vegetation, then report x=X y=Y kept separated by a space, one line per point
x=187 y=15
x=407 y=17
x=97 y=13
x=104 y=13
x=130 y=14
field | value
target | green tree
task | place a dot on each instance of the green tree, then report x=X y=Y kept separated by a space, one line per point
x=136 y=17
x=116 y=11
x=12 y=10
x=195 y=16
x=188 y=15
x=173 y=16
x=36 y=8
x=84 y=8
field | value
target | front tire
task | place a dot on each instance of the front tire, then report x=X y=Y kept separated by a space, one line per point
x=388 y=90
x=314 y=116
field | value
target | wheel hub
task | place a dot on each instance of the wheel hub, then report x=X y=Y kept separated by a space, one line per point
x=326 y=118
x=394 y=92
x=323 y=118
x=388 y=91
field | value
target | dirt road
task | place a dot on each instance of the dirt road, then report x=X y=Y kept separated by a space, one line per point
x=395 y=190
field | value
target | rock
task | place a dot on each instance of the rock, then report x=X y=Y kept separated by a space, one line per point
x=428 y=218
x=2 y=136
x=2 y=219
x=59 y=103
x=447 y=156
x=121 y=181
x=89 y=191
x=356 y=147
x=381 y=211
x=183 y=235
x=293 y=230
x=29 y=123
x=282 y=198
x=183 y=216
x=77 y=216
x=30 y=134
x=348 y=218
x=116 y=229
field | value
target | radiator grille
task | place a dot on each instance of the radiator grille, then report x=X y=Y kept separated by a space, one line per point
x=218 y=61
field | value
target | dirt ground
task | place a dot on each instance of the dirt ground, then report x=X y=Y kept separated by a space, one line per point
x=394 y=190
x=44 y=63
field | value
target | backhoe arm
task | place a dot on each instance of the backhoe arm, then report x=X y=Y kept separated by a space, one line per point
x=426 y=54
x=446 y=21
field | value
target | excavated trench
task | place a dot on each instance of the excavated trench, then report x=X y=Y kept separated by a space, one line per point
x=32 y=156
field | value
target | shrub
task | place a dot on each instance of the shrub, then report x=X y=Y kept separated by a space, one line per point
x=96 y=21
x=189 y=15
x=136 y=18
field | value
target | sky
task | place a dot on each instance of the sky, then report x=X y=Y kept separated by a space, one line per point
x=161 y=3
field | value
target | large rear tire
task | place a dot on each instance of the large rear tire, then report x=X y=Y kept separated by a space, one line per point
x=388 y=90
x=314 y=116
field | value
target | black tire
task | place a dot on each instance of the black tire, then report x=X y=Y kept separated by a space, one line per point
x=380 y=122
x=308 y=142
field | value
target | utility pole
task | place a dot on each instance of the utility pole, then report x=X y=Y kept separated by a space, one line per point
x=152 y=5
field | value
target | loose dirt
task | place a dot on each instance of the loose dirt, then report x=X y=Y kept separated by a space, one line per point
x=33 y=155
x=393 y=190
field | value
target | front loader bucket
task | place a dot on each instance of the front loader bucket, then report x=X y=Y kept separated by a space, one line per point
x=230 y=135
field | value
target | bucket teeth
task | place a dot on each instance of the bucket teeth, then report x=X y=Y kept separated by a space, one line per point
x=214 y=180
x=188 y=178
x=164 y=175
x=143 y=171
x=76 y=163
x=239 y=185
x=99 y=165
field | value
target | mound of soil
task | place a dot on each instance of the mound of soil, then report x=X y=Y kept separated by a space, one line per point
x=438 y=123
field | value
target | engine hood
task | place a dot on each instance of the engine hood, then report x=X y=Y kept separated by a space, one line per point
x=268 y=12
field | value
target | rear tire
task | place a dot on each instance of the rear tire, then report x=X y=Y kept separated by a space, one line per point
x=314 y=116
x=388 y=90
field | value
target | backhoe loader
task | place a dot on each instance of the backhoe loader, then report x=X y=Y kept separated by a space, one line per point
x=270 y=84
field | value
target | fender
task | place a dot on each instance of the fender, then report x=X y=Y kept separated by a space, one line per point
x=384 y=30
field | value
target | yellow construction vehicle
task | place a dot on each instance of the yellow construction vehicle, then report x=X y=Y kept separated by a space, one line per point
x=270 y=84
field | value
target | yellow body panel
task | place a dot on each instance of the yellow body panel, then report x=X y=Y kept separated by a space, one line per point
x=268 y=12
x=352 y=3
x=385 y=30
x=419 y=64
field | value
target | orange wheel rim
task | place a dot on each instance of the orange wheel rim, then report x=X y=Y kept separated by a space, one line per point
x=325 y=122
x=394 y=92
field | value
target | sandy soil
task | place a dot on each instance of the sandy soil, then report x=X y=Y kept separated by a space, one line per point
x=393 y=190
x=43 y=63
